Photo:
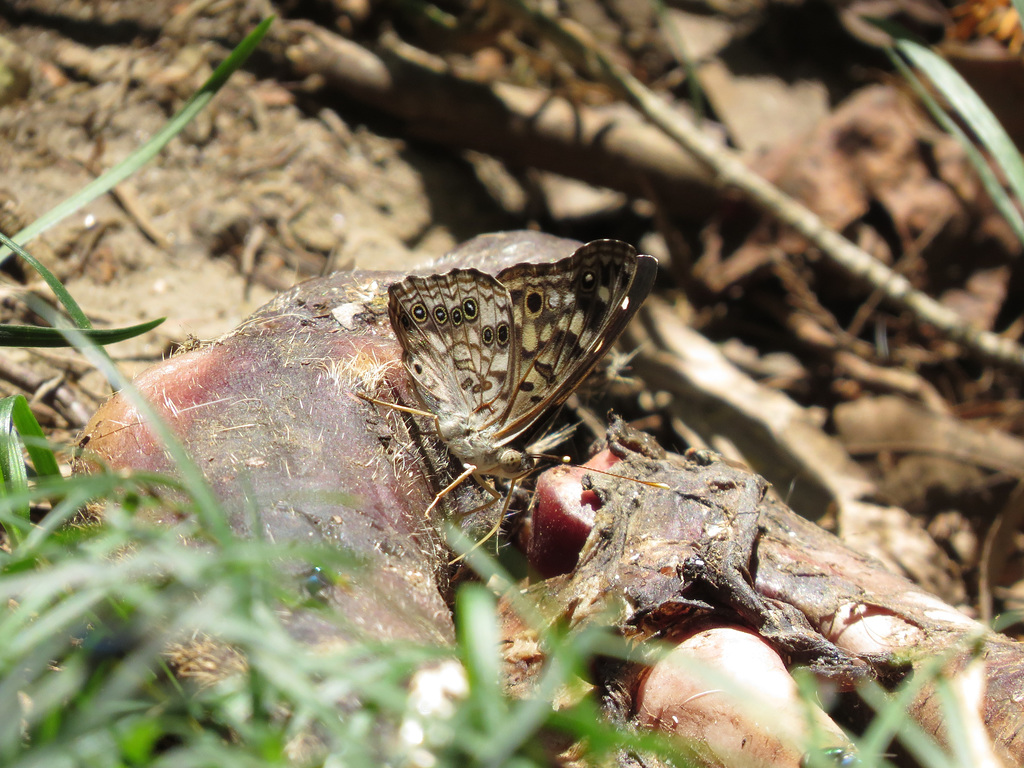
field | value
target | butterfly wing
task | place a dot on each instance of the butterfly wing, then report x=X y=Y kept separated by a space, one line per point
x=456 y=335
x=567 y=315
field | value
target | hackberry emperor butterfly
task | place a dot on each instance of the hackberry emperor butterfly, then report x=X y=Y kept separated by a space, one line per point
x=489 y=356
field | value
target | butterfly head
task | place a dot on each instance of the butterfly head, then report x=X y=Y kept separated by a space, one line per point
x=512 y=463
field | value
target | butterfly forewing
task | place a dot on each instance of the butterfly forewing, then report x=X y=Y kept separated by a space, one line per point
x=567 y=315
x=456 y=334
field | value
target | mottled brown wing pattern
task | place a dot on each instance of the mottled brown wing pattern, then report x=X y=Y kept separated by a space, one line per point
x=457 y=339
x=567 y=314
x=490 y=356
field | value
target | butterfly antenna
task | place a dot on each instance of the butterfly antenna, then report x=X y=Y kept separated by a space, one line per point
x=567 y=460
x=651 y=483
x=551 y=457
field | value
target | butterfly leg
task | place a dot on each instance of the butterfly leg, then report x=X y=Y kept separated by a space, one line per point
x=501 y=517
x=491 y=490
x=396 y=406
x=470 y=469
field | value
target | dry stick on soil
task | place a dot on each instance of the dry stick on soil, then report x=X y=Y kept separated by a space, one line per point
x=730 y=170
x=70 y=407
x=606 y=146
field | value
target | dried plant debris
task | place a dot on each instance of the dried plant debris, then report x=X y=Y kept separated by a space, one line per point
x=713 y=560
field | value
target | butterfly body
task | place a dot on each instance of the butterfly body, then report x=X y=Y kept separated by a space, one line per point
x=476 y=444
x=490 y=356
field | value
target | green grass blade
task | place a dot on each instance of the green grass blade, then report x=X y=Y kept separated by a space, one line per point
x=971 y=108
x=207 y=505
x=150 y=149
x=43 y=459
x=19 y=429
x=479 y=640
x=12 y=464
x=34 y=336
x=978 y=117
x=65 y=298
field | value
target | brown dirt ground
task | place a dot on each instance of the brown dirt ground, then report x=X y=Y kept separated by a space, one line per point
x=254 y=196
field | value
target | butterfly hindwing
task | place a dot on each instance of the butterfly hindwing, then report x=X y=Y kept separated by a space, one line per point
x=567 y=315
x=456 y=333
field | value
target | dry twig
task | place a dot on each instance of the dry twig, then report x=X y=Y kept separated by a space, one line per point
x=61 y=394
x=605 y=146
